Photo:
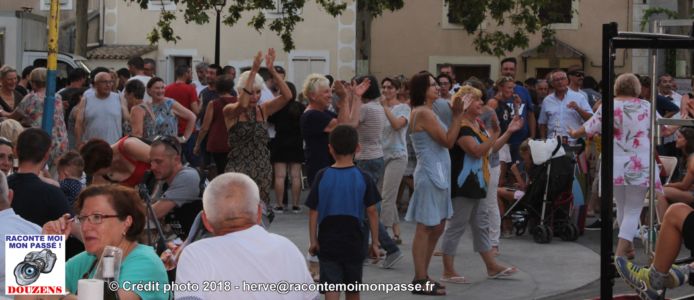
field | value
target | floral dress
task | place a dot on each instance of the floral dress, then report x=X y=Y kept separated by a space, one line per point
x=32 y=107
x=632 y=127
x=165 y=121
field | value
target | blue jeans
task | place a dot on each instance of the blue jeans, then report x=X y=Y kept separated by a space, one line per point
x=373 y=167
x=384 y=239
x=191 y=158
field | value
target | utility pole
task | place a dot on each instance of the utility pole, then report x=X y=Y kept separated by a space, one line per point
x=81 y=29
x=49 y=103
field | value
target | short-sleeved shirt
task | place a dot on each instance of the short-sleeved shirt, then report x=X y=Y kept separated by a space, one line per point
x=505 y=113
x=141 y=265
x=35 y=200
x=184 y=188
x=184 y=94
x=395 y=141
x=341 y=196
x=442 y=109
x=458 y=156
x=372 y=118
x=313 y=123
x=558 y=117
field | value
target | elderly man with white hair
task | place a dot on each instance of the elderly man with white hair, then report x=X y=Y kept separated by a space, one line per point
x=242 y=253
x=10 y=223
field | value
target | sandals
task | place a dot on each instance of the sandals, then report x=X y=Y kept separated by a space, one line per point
x=506 y=273
x=425 y=287
x=455 y=279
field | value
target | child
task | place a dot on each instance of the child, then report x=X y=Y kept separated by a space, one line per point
x=70 y=167
x=339 y=196
x=507 y=196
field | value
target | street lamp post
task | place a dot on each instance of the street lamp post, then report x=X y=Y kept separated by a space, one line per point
x=218 y=6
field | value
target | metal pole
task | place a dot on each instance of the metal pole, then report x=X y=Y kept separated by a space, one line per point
x=655 y=134
x=52 y=64
x=216 y=40
x=606 y=262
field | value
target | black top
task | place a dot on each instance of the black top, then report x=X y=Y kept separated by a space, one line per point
x=457 y=157
x=36 y=201
x=313 y=123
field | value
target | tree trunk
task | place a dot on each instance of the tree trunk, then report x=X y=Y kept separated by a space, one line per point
x=81 y=29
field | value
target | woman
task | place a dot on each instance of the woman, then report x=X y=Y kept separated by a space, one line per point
x=430 y=205
x=124 y=162
x=111 y=215
x=213 y=124
x=470 y=176
x=32 y=107
x=631 y=156
x=246 y=121
x=6 y=156
x=160 y=116
x=9 y=97
x=680 y=191
x=394 y=153
x=287 y=150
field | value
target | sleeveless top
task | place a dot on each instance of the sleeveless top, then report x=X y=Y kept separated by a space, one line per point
x=103 y=118
x=433 y=160
x=165 y=121
x=140 y=167
x=148 y=126
x=248 y=140
x=216 y=142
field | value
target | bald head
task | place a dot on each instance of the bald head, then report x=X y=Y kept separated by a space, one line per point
x=230 y=197
x=103 y=83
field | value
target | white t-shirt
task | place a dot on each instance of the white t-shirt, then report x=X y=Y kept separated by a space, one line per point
x=249 y=256
x=11 y=223
x=144 y=79
x=372 y=119
x=198 y=86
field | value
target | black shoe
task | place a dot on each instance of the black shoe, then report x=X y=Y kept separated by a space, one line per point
x=597 y=225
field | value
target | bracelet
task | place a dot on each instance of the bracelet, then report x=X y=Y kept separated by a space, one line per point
x=246 y=91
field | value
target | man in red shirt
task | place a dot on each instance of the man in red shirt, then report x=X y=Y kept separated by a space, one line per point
x=185 y=94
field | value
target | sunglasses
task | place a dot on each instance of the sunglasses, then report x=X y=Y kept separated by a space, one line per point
x=169 y=141
x=577 y=74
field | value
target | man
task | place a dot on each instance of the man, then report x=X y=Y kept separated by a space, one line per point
x=231 y=212
x=201 y=82
x=136 y=66
x=209 y=93
x=10 y=223
x=72 y=93
x=666 y=90
x=149 y=67
x=23 y=86
x=508 y=69
x=100 y=114
x=541 y=90
x=184 y=93
x=447 y=69
x=35 y=200
x=181 y=185
x=229 y=70
x=664 y=106
x=576 y=79
x=123 y=77
x=562 y=110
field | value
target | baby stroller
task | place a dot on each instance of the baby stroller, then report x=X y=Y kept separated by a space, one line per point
x=545 y=208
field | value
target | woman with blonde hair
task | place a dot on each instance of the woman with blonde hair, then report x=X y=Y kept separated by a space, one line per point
x=632 y=119
x=470 y=178
x=9 y=97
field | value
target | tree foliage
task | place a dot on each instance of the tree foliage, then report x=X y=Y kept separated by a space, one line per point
x=526 y=17
x=203 y=11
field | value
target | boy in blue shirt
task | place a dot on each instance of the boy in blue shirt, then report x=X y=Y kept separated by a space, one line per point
x=338 y=199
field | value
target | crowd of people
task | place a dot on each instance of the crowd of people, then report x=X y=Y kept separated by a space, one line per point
x=460 y=146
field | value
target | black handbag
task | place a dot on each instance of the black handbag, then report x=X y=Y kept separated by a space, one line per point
x=471 y=188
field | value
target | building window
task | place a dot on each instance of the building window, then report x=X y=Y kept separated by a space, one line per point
x=278 y=12
x=64 y=4
x=557 y=12
x=161 y=5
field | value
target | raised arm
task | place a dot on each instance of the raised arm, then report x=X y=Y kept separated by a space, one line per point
x=395 y=122
x=280 y=101
x=233 y=110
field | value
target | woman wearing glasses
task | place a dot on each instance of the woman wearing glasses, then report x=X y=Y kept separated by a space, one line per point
x=32 y=107
x=111 y=215
x=124 y=162
x=246 y=121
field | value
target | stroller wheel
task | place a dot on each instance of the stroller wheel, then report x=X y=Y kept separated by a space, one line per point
x=542 y=234
x=569 y=232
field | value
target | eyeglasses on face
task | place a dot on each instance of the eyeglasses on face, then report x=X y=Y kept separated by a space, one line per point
x=577 y=74
x=94 y=218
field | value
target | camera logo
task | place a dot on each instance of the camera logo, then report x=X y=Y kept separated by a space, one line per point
x=35 y=263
